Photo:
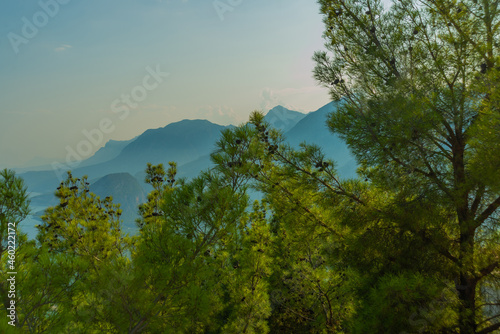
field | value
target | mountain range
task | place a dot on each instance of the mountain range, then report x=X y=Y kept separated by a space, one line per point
x=117 y=169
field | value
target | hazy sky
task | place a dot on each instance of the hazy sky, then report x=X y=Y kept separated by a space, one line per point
x=100 y=66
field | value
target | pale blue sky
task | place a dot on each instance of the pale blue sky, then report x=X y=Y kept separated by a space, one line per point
x=66 y=76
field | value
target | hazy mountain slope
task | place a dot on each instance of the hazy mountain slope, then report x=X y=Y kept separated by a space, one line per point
x=44 y=179
x=193 y=168
x=312 y=129
x=41 y=181
x=112 y=149
x=181 y=142
x=44 y=200
x=189 y=143
x=282 y=118
x=125 y=190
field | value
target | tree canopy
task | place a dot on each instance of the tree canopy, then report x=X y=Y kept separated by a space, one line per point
x=272 y=239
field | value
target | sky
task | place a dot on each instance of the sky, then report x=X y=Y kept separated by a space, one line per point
x=76 y=71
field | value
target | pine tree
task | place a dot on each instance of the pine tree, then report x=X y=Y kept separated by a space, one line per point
x=419 y=81
x=14 y=207
x=307 y=289
x=246 y=272
x=65 y=281
x=182 y=253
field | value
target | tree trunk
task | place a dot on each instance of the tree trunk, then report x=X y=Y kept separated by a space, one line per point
x=467 y=282
x=466 y=286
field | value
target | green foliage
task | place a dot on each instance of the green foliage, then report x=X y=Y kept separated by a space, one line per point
x=419 y=103
x=14 y=207
x=82 y=223
x=183 y=249
x=14 y=198
x=412 y=245
x=14 y=204
x=246 y=282
x=406 y=303
x=298 y=187
x=60 y=281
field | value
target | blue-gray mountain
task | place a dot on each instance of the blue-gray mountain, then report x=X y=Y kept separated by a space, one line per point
x=126 y=190
x=312 y=129
x=117 y=169
x=181 y=142
x=309 y=128
x=111 y=150
x=283 y=119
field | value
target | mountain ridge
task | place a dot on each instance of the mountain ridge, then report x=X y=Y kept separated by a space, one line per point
x=189 y=144
x=283 y=118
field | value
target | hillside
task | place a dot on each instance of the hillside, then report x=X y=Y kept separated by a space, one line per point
x=312 y=129
x=282 y=118
x=126 y=190
x=117 y=169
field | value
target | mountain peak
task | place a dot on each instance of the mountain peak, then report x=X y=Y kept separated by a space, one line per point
x=279 y=109
x=283 y=118
x=188 y=122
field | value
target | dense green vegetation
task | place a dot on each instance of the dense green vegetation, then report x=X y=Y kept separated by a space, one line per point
x=411 y=246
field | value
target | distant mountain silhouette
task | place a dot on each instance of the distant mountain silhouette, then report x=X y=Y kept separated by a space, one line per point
x=47 y=199
x=181 y=142
x=125 y=190
x=42 y=179
x=188 y=143
x=312 y=129
x=105 y=153
x=40 y=182
x=112 y=149
x=282 y=118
